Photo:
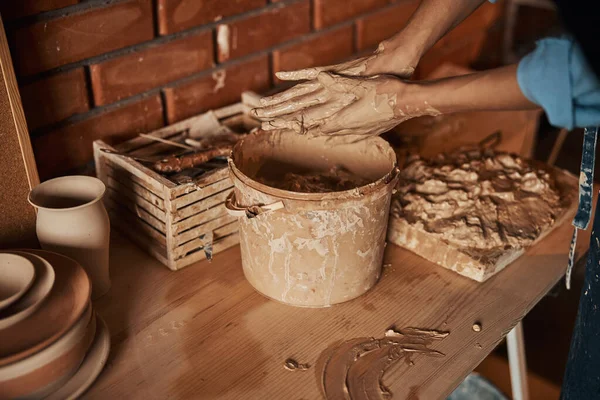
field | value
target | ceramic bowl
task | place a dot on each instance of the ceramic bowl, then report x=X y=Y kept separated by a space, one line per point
x=16 y=277
x=91 y=367
x=64 y=306
x=31 y=377
x=34 y=297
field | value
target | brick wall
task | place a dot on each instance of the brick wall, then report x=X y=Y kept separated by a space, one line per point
x=91 y=69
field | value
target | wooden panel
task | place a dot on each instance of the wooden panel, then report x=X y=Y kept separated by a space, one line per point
x=178 y=326
x=202 y=205
x=18 y=172
x=203 y=181
x=148 y=218
x=121 y=192
x=195 y=242
x=134 y=225
x=218 y=246
x=216 y=211
x=114 y=181
x=203 y=192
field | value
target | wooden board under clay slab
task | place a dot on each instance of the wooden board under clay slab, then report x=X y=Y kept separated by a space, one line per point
x=18 y=172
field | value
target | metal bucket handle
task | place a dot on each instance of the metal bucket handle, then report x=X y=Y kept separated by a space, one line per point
x=236 y=210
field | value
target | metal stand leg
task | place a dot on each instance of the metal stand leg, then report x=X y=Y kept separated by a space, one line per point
x=517 y=364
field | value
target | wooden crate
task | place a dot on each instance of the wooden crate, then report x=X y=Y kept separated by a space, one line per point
x=178 y=224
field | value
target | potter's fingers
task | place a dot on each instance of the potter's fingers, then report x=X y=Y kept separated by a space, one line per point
x=304 y=120
x=278 y=124
x=340 y=84
x=300 y=74
x=319 y=96
x=298 y=90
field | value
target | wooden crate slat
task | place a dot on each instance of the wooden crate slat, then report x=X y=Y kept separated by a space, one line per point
x=202 y=193
x=130 y=185
x=141 y=213
x=202 y=205
x=203 y=181
x=218 y=246
x=123 y=215
x=144 y=242
x=226 y=230
x=138 y=201
x=181 y=251
x=153 y=179
x=206 y=227
x=124 y=176
x=200 y=218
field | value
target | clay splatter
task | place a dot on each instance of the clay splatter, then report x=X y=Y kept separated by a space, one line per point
x=355 y=369
x=292 y=365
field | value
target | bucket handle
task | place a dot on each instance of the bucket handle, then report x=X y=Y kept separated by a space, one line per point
x=236 y=210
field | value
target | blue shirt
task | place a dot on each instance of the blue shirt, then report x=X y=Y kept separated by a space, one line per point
x=557 y=77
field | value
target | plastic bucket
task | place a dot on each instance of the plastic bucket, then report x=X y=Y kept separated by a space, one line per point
x=311 y=249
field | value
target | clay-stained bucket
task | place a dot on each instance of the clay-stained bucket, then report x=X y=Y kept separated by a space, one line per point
x=311 y=249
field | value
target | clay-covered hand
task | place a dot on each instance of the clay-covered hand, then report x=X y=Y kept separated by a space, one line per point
x=339 y=105
x=387 y=59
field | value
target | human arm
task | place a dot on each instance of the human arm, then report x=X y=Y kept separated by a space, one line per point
x=372 y=105
x=400 y=54
x=555 y=76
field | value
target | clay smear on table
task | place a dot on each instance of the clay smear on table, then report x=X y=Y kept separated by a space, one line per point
x=478 y=201
x=354 y=370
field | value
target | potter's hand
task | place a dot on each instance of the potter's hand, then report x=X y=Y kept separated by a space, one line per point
x=337 y=105
x=387 y=59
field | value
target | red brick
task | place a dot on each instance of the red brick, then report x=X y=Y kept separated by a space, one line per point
x=374 y=28
x=178 y=15
x=55 y=98
x=459 y=52
x=322 y=49
x=137 y=72
x=63 y=40
x=11 y=9
x=70 y=147
x=330 y=12
x=258 y=32
x=218 y=89
x=480 y=21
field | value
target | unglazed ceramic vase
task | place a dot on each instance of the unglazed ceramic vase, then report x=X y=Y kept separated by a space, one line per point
x=72 y=220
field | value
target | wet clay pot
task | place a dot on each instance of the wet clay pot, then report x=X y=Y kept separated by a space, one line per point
x=311 y=249
x=72 y=221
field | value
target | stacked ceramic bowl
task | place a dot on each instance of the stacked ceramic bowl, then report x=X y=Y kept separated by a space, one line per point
x=52 y=343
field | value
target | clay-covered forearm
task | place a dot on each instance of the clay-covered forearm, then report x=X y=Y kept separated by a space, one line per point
x=495 y=89
x=428 y=24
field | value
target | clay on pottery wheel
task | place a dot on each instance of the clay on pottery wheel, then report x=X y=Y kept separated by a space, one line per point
x=16 y=276
x=35 y=295
x=72 y=221
x=57 y=314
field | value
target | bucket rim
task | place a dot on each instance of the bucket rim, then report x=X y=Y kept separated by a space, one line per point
x=357 y=192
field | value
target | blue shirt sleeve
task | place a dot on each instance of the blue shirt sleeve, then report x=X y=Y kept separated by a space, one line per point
x=556 y=76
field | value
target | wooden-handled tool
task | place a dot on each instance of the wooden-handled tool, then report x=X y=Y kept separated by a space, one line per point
x=173 y=164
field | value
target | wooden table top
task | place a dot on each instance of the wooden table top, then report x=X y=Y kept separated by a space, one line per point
x=203 y=332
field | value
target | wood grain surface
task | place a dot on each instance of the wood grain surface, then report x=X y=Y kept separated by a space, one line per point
x=203 y=332
x=18 y=172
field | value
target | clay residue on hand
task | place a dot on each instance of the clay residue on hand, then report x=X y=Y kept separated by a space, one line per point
x=355 y=369
x=479 y=201
x=336 y=179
